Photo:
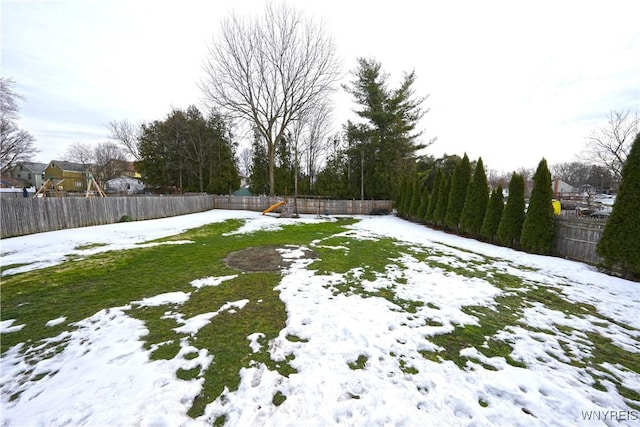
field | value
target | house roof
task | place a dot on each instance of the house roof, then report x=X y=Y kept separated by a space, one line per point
x=33 y=167
x=69 y=166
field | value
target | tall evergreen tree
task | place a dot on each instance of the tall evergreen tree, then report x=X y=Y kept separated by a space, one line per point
x=620 y=242
x=458 y=193
x=433 y=200
x=510 y=226
x=386 y=143
x=399 y=200
x=189 y=151
x=424 y=204
x=493 y=215
x=443 y=200
x=537 y=230
x=416 y=198
x=476 y=201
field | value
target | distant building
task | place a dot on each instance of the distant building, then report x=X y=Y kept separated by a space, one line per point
x=68 y=176
x=30 y=173
x=560 y=187
x=124 y=185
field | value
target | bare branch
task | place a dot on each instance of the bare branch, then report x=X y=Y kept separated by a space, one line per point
x=609 y=146
x=270 y=69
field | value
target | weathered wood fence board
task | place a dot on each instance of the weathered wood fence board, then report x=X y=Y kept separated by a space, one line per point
x=577 y=238
x=304 y=205
x=21 y=216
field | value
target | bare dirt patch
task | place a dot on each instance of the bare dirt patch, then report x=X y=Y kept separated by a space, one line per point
x=263 y=258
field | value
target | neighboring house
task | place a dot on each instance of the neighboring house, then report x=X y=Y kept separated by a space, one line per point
x=124 y=185
x=116 y=168
x=560 y=188
x=30 y=172
x=67 y=175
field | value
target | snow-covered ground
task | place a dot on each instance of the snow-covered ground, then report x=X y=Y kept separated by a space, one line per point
x=104 y=375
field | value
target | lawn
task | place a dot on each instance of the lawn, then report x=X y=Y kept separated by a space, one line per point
x=359 y=321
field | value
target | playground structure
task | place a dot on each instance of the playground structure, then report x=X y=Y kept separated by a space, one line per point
x=50 y=187
x=274 y=206
x=93 y=183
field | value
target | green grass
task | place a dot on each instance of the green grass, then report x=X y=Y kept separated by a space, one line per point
x=77 y=289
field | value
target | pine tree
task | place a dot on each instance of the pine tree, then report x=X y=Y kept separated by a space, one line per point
x=387 y=139
x=476 y=201
x=620 y=242
x=537 y=230
x=493 y=215
x=443 y=200
x=433 y=201
x=510 y=226
x=458 y=193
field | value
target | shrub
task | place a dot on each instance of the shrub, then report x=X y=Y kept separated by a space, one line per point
x=475 y=203
x=620 y=242
x=510 y=226
x=458 y=192
x=433 y=201
x=493 y=215
x=537 y=229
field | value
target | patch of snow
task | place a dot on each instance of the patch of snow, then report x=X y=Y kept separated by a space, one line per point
x=102 y=377
x=194 y=324
x=253 y=341
x=163 y=299
x=56 y=321
x=211 y=281
x=6 y=326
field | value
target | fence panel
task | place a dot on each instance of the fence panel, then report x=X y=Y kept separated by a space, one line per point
x=577 y=238
x=19 y=216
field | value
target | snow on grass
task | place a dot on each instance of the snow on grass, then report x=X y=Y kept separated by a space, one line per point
x=368 y=350
x=6 y=326
x=194 y=324
x=102 y=377
x=56 y=321
x=211 y=281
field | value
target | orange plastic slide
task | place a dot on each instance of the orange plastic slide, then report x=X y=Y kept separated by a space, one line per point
x=272 y=207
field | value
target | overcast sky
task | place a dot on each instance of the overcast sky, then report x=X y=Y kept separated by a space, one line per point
x=509 y=81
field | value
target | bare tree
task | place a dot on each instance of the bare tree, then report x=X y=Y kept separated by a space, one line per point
x=269 y=70
x=245 y=158
x=127 y=135
x=609 y=146
x=110 y=161
x=80 y=152
x=15 y=144
x=317 y=141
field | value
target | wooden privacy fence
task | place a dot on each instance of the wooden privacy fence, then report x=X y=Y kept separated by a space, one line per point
x=21 y=216
x=304 y=205
x=577 y=238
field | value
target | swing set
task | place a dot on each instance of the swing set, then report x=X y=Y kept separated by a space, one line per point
x=50 y=186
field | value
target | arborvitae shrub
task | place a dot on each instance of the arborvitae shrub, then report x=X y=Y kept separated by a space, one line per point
x=433 y=200
x=493 y=215
x=458 y=192
x=620 y=242
x=475 y=204
x=441 y=206
x=537 y=229
x=510 y=226
x=424 y=204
